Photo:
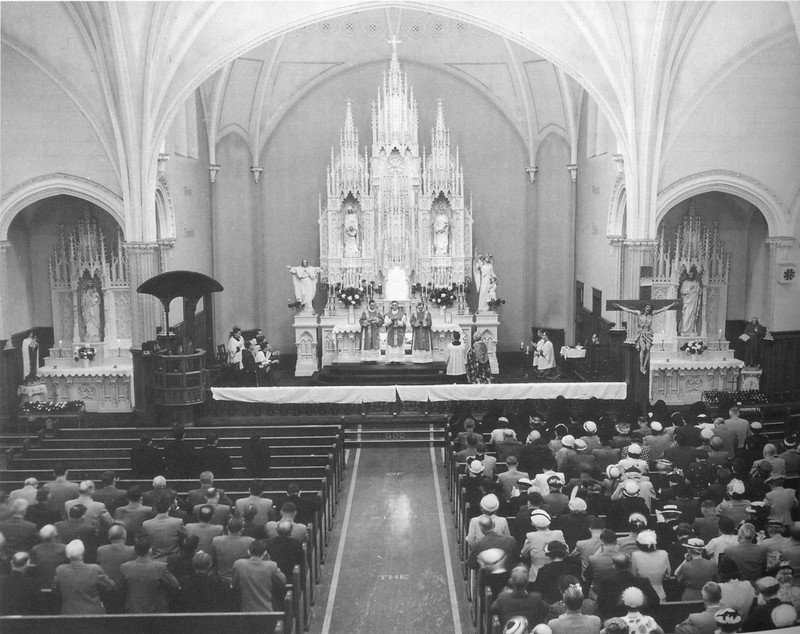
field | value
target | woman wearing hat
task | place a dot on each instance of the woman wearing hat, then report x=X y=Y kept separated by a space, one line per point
x=695 y=571
x=650 y=562
x=537 y=540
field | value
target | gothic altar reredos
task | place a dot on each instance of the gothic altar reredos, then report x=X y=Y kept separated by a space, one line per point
x=395 y=220
x=90 y=298
x=694 y=268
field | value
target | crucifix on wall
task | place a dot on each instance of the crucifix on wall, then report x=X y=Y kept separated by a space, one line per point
x=644 y=309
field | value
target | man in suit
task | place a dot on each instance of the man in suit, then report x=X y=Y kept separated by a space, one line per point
x=41 y=513
x=48 y=555
x=146 y=460
x=179 y=455
x=222 y=512
x=61 y=489
x=20 y=534
x=519 y=601
x=27 y=492
x=255 y=577
x=18 y=590
x=263 y=505
x=748 y=556
x=109 y=494
x=212 y=458
x=159 y=490
x=198 y=495
x=96 y=512
x=289 y=512
x=134 y=513
x=79 y=584
x=226 y=549
x=704 y=622
x=573 y=620
x=166 y=533
x=285 y=551
x=76 y=526
x=204 y=529
x=490 y=538
x=609 y=595
x=145 y=582
x=111 y=556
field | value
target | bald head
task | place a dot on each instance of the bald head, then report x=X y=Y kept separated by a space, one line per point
x=519 y=578
x=86 y=487
x=284 y=528
x=117 y=533
x=486 y=524
x=621 y=561
x=48 y=533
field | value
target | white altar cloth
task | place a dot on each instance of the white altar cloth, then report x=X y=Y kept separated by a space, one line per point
x=356 y=394
x=102 y=388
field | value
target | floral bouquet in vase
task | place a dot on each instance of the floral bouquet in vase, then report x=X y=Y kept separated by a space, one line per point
x=695 y=346
x=84 y=352
x=443 y=296
x=351 y=295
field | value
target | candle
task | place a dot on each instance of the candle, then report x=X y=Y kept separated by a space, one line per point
x=521 y=345
x=720 y=335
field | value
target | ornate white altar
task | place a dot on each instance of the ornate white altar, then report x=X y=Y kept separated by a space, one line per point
x=90 y=294
x=395 y=223
x=694 y=268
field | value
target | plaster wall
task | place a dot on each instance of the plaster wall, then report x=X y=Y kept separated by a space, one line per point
x=594 y=259
x=43 y=131
x=554 y=238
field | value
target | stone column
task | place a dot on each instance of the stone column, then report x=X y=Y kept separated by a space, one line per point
x=146 y=310
x=637 y=253
x=617 y=244
x=5 y=330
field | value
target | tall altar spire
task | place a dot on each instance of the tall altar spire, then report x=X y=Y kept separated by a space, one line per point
x=441 y=170
x=395 y=117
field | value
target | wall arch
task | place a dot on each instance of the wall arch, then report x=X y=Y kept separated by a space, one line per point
x=728 y=182
x=50 y=185
x=165 y=212
x=618 y=208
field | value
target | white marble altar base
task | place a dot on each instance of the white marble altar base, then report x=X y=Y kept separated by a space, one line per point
x=103 y=388
x=305 y=341
x=680 y=378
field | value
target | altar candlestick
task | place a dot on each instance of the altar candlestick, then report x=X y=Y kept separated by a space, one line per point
x=720 y=335
x=521 y=345
x=663 y=336
x=119 y=348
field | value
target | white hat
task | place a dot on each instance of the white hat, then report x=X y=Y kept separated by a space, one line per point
x=490 y=503
x=656 y=426
x=707 y=433
x=694 y=543
x=540 y=518
x=647 y=538
x=526 y=482
x=590 y=427
x=491 y=557
x=580 y=445
x=159 y=482
x=542 y=629
x=735 y=486
x=533 y=436
x=476 y=467
x=635 y=449
x=613 y=471
x=568 y=440
x=756 y=425
x=631 y=488
x=578 y=505
x=516 y=625
x=502 y=419
x=632 y=597
x=783 y=615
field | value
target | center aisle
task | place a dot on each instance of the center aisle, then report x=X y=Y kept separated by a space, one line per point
x=392 y=566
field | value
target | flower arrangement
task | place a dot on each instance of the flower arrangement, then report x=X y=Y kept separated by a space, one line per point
x=496 y=303
x=443 y=295
x=51 y=407
x=85 y=352
x=296 y=304
x=695 y=346
x=352 y=295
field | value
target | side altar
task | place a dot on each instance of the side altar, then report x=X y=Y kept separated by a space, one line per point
x=394 y=226
x=689 y=353
x=90 y=292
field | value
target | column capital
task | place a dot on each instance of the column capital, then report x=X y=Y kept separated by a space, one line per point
x=572 y=168
x=256 y=171
x=616 y=240
x=4 y=244
x=640 y=244
x=140 y=247
x=619 y=160
x=163 y=157
x=531 y=172
x=213 y=170
x=780 y=242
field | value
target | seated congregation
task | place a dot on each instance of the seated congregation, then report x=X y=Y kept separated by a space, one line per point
x=645 y=524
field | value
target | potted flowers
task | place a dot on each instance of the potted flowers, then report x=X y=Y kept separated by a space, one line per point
x=696 y=346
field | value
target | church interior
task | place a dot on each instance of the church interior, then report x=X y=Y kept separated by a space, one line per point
x=600 y=157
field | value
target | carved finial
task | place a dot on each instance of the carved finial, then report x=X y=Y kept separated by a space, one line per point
x=531 y=172
x=573 y=172
x=213 y=169
x=256 y=171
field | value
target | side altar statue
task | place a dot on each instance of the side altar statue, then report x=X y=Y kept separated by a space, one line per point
x=679 y=333
x=394 y=225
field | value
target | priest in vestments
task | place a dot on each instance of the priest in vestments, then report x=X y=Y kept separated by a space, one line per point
x=422 y=342
x=371 y=320
x=395 y=322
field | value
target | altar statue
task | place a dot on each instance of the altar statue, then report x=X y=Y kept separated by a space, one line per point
x=30 y=358
x=690 y=291
x=371 y=320
x=395 y=322
x=441 y=241
x=351 y=248
x=90 y=310
x=485 y=280
x=422 y=341
x=644 y=335
x=304 y=278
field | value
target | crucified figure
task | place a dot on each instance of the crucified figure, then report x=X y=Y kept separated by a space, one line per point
x=644 y=336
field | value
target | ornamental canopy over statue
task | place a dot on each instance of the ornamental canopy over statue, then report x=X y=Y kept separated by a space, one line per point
x=395 y=216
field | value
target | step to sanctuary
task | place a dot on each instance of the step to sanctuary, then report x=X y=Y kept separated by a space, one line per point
x=382 y=373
